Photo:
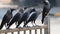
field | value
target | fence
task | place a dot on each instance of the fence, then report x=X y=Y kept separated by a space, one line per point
x=46 y=28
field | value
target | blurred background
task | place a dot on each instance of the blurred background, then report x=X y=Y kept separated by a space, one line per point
x=54 y=12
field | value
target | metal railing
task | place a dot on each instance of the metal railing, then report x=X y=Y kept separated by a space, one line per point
x=46 y=28
x=24 y=29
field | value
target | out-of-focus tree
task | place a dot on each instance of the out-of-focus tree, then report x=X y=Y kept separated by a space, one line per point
x=35 y=2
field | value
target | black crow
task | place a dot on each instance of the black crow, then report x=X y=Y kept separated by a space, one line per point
x=6 y=18
x=32 y=17
x=46 y=9
x=16 y=18
x=25 y=16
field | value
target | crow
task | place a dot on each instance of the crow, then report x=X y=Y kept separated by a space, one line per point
x=25 y=16
x=6 y=18
x=16 y=18
x=46 y=9
x=32 y=17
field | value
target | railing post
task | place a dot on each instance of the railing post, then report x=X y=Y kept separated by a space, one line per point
x=47 y=22
x=18 y=32
x=29 y=31
x=35 y=31
x=24 y=31
x=41 y=31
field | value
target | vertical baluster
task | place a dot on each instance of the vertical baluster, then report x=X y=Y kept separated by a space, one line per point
x=35 y=31
x=29 y=31
x=5 y=33
x=47 y=22
x=24 y=31
x=18 y=32
x=41 y=31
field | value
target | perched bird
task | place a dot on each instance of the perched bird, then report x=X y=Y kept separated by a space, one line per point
x=25 y=16
x=32 y=18
x=23 y=12
x=16 y=18
x=6 y=18
x=46 y=9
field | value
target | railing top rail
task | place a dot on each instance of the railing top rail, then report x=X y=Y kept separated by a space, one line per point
x=23 y=28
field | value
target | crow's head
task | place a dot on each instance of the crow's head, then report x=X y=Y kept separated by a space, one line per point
x=33 y=10
x=46 y=2
x=21 y=10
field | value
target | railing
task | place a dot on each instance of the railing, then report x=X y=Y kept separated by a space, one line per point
x=24 y=29
x=46 y=28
